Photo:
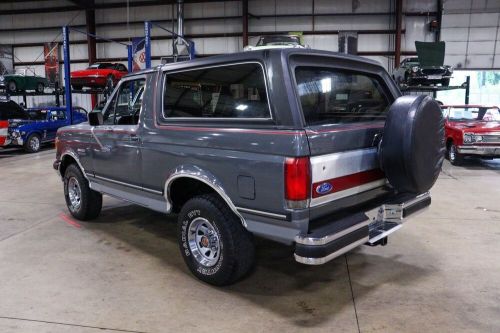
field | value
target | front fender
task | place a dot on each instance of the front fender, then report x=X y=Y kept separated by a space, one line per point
x=195 y=172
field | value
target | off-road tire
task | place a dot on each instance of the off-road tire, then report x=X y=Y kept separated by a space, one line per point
x=412 y=149
x=237 y=251
x=28 y=147
x=90 y=200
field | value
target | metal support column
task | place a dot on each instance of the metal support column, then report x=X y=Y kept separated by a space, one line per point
x=245 y=22
x=92 y=54
x=399 y=23
x=467 y=89
x=439 y=19
x=130 y=58
x=67 y=71
x=147 y=43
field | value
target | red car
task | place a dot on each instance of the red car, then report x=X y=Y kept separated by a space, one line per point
x=471 y=130
x=98 y=76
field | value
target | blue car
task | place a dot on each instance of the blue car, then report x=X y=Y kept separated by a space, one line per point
x=39 y=126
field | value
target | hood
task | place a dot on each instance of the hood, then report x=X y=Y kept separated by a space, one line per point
x=15 y=123
x=479 y=126
x=430 y=54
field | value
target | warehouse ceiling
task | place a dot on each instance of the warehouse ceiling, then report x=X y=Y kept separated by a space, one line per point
x=90 y=4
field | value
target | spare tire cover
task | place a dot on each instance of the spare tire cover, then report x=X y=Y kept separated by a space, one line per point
x=412 y=148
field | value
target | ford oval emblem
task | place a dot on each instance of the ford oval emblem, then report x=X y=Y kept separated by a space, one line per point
x=324 y=188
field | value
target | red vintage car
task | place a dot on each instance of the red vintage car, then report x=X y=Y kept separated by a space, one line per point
x=471 y=130
x=98 y=75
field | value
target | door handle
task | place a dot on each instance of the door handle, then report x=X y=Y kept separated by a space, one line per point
x=134 y=138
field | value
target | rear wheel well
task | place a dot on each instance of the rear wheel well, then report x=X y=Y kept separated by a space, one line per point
x=185 y=188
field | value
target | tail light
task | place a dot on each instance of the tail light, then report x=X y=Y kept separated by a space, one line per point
x=297 y=182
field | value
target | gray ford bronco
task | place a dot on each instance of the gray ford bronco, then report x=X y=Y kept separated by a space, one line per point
x=308 y=148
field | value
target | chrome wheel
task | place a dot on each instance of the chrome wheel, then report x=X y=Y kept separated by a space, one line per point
x=34 y=143
x=74 y=194
x=204 y=242
x=453 y=153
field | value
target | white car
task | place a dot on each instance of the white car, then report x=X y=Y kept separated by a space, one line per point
x=276 y=42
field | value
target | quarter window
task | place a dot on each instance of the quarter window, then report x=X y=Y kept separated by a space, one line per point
x=232 y=91
x=330 y=96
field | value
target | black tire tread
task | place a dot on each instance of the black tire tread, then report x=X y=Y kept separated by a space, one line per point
x=240 y=241
x=26 y=145
x=91 y=200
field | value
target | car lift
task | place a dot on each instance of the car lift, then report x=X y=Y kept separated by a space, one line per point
x=67 y=67
x=56 y=93
x=175 y=37
x=416 y=90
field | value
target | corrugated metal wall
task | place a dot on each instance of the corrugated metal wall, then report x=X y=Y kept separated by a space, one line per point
x=472 y=38
x=471 y=29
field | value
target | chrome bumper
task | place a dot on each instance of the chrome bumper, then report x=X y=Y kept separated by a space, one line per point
x=372 y=227
x=480 y=150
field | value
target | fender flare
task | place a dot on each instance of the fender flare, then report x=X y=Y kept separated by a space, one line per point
x=206 y=177
x=75 y=157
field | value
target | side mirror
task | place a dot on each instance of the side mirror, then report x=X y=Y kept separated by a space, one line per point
x=95 y=118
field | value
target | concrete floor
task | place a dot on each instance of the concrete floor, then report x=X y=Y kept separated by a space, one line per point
x=123 y=273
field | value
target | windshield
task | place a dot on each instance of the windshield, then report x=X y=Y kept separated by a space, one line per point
x=330 y=96
x=413 y=61
x=278 y=40
x=473 y=114
x=38 y=114
x=102 y=66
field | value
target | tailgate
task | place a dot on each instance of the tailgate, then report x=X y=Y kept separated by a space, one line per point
x=344 y=164
x=344 y=113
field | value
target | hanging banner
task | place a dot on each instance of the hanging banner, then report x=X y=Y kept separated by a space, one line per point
x=138 y=53
x=51 y=55
x=6 y=63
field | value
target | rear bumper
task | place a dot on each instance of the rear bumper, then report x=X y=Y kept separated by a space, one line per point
x=343 y=235
x=480 y=150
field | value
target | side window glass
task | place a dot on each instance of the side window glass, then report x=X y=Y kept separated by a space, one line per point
x=126 y=105
x=231 y=91
x=61 y=115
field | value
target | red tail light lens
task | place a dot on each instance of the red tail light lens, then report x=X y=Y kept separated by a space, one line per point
x=297 y=179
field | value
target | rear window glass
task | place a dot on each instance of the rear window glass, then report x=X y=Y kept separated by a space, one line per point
x=102 y=66
x=330 y=96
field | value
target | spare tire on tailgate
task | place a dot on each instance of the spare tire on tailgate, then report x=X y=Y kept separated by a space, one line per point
x=412 y=149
